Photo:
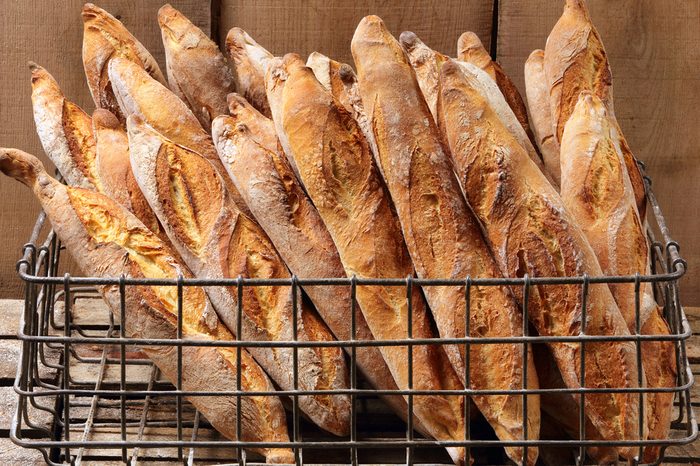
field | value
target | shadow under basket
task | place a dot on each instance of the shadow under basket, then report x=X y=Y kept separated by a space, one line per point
x=86 y=393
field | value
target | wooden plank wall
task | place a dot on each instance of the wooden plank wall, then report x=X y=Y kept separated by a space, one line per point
x=654 y=48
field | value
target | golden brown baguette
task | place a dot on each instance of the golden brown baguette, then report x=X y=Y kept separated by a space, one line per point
x=575 y=61
x=64 y=130
x=197 y=70
x=139 y=94
x=427 y=63
x=105 y=37
x=441 y=234
x=248 y=147
x=471 y=50
x=345 y=186
x=531 y=233
x=249 y=63
x=217 y=241
x=113 y=169
x=537 y=91
x=107 y=241
x=340 y=80
x=598 y=193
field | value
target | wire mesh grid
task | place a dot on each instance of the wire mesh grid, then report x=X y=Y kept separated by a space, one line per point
x=147 y=403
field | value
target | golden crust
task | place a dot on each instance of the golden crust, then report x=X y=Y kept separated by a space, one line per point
x=197 y=70
x=249 y=62
x=216 y=240
x=598 y=193
x=441 y=233
x=105 y=37
x=108 y=241
x=345 y=186
x=575 y=61
x=531 y=233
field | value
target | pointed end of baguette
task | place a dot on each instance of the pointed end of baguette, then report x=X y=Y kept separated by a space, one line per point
x=469 y=40
x=371 y=28
x=169 y=16
x=235 y=101
x=537 y=55
x=104 y=119
x=21 y=166
x=409 y=40
x=90 y=12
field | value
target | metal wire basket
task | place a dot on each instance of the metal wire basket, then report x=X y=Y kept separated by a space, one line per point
x=128 y=386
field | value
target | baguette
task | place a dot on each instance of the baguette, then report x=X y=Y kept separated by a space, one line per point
x=340 y=80
x=275 y=80
x=108 y=241
x=471 y=50
x=531 y=233
x=575 y=61
x=198 y=73
x=537 y=92
x=139 y=94
x=598 y=193
x=105 y=37
x=217 y=241
x=442 y=236
x=114 y=170
x=64 y=130
x=344 y=184
x=249 y=64
x=427 y=63
x=248 y=147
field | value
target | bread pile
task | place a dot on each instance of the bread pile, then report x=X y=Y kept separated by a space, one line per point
x=268 y=167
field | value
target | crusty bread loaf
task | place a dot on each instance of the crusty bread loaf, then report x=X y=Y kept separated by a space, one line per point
x=597 y=191
x=107 y=241
x=537 y=91
x=113 y=169
x=104 y=38
x=248 y=146
x=217 y=241
x=345 y=186
x=64 y=130
x=471 y=50
x=427 y=63
x=340 y=80
x=197 y=70
x=441 y=234
x=575 y=61
x=139 y=94
x=249 y=63
x=531 y=233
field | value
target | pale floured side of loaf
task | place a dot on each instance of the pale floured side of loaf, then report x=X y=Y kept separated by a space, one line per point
x=105 y=37
x=471 y=50
x=575 y=61
x=114 y=169
x=441 y=234
x=64 y=130
x=340 y=80
x=107 y=241
x=217 y=241
x=197 y=70
x=531 y=233
x=248 y=146
x=139 y=94
x=598 y=193
x=344 y=184
x=537 y=91
x=250 y=60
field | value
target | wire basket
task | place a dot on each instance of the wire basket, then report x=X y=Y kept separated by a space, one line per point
x=105 y=397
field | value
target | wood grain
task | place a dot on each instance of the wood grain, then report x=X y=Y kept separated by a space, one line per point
x=50 y=33
x=654 y=52
x=304 y=26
